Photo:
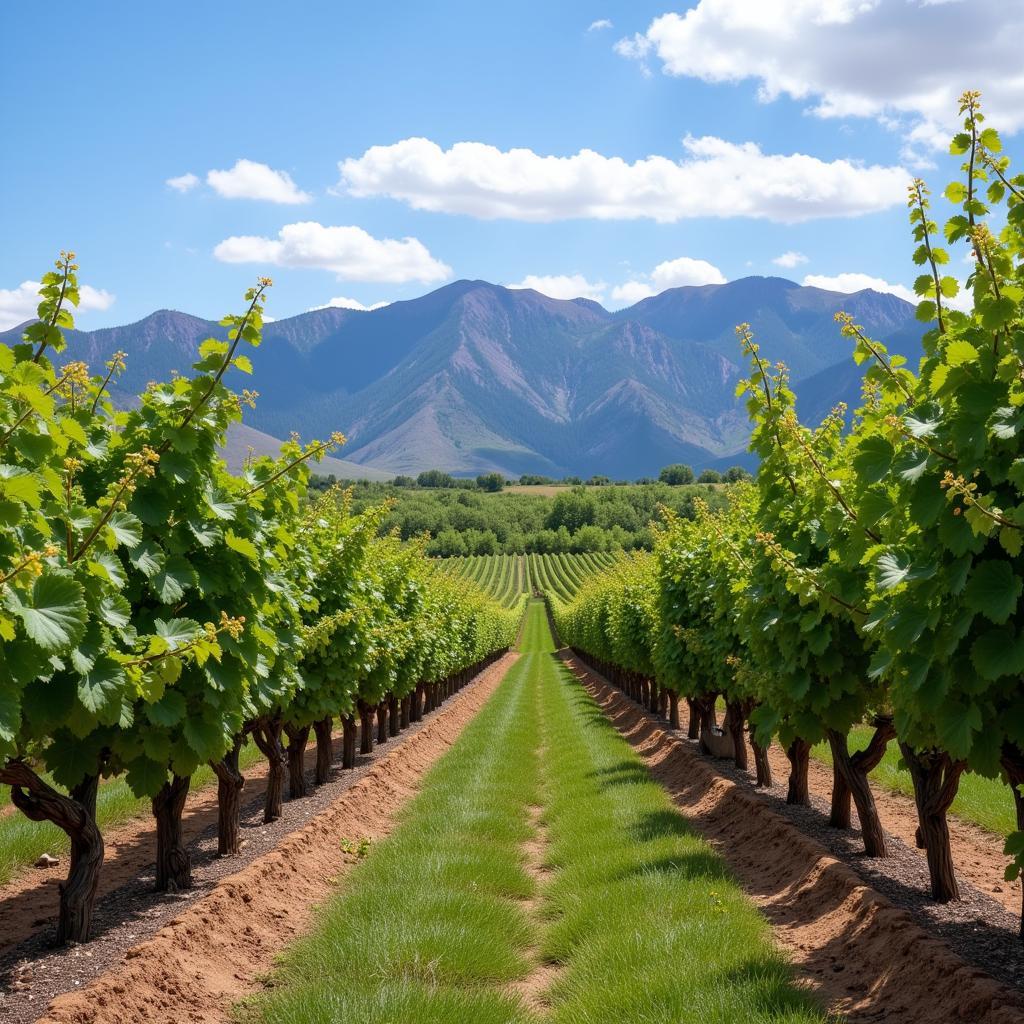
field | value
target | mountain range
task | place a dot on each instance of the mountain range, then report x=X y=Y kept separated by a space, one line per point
x=474 y=377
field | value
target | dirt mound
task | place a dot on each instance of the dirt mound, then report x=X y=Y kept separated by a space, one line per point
x=867 y=959
x=197 y=965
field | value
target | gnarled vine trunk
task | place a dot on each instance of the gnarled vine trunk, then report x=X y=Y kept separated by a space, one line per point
x=173 y=863
x=734 y=723
x=382 y=722
x=673 y=709
x=365 y=728
x=348 y=741
x=936 y=778
x=298 y=738
x=416 y=704
x=230 y=782
x=75 y=815
x=840 y=812
x=693 y=725
x=393 y=712
x=761 y=762
x=267 y=737
x=1013 y=765
x=323 y=728
x=799 y=754
x=854 y=770
x=652 y=705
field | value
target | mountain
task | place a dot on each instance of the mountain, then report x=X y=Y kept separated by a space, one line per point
x=474 y=377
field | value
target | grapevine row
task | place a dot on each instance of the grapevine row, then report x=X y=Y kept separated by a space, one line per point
x=156 y=611
x=874 y=573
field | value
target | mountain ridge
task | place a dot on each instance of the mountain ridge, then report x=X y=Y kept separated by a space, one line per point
x=475 y=376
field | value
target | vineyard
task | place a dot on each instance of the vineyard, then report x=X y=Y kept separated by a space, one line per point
x=295 y=770
x=510 y=578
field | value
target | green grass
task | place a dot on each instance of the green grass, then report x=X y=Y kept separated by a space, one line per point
x=985 y=802
x=644 y=916
x=431 y=926
x=23 y=842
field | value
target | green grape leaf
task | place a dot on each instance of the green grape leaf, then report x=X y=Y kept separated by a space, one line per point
x=242 y=546
x=873 y=459
x=993 y=590
x=56 y=616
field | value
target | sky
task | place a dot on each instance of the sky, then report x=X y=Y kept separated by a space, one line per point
x=365 y=153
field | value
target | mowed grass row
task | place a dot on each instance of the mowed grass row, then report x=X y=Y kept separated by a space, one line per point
x=987 y=803
x=643 y=915
x=23 y=842
x=431 y=927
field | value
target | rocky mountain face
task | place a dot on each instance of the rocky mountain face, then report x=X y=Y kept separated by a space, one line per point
x=474 y=377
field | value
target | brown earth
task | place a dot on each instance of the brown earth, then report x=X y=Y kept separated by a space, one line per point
x=865 y=958
x=215 y=951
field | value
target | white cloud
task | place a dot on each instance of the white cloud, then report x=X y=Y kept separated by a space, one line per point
x=631 y=292
x=183 y=183
x=251 y=180
x=853 y=58
x=601 y=23
x=19 y=304
x=563 y=286
x=852 y=282
x=716 y=178
x=677 y=273
x=341 y=302
x=685 y=271
x=790 y=259
x=349 y=252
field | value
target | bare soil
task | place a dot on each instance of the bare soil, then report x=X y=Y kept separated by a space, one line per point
x=160 y=959
x=866 y=957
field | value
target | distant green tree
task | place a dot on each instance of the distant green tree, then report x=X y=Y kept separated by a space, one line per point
x=490 y=481
x=676 y=474
x=448 y=544
x=404 y=481
x=435 y=478
x=573 y=510
x=735 y=475
x=599 y=481
x=710 y=476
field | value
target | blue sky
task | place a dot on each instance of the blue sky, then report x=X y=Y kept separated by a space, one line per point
x=837 y=103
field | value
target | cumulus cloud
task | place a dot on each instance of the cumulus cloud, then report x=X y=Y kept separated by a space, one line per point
x=251 y=180
x=852 y=58
x=341 y=302
x=676 y=273
x=669 y=274
x=631 y=292
x=601 y=23
x=790 y=259
x=19 y=304
x=716 y=178
x=183 y=183
x=563 y=286
x=350 y=252
x=852 y=282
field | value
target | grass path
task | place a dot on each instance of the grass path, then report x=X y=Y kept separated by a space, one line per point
x=539 y=875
